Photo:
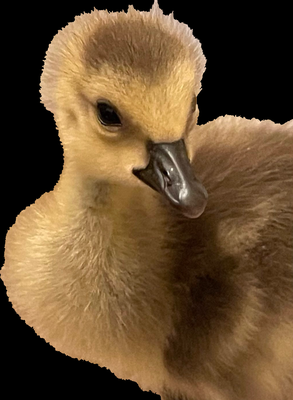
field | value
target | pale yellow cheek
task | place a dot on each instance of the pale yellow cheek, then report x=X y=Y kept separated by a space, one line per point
x=113 y=162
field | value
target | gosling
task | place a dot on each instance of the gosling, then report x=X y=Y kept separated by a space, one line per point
x=165 y=251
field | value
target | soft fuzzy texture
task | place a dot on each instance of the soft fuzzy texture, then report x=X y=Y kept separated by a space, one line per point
x=65 y=58
x=105 y=271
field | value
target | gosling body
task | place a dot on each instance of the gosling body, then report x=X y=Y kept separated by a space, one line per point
x=105 y=270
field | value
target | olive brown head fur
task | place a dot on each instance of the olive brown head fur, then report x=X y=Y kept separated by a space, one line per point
x=127 y=263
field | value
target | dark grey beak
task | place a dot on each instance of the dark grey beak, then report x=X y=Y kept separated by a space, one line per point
x=170 y=173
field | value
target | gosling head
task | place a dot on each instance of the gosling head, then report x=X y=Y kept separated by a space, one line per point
x=123 y=88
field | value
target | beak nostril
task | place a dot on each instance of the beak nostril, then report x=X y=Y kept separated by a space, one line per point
x=167 y=178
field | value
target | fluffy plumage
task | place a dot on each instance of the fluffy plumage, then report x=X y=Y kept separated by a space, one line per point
x=105 y=271
x=113 y=41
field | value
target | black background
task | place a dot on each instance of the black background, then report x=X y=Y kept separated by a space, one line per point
x=249 y=74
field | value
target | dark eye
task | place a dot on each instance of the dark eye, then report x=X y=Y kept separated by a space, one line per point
x=107 y=114
x=193 y=104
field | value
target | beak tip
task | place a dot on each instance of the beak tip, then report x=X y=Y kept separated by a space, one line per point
x=197 y=206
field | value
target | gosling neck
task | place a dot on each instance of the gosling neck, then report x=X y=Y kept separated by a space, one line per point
x=77 y=193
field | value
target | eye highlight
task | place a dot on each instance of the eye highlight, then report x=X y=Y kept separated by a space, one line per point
x=107 y=114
